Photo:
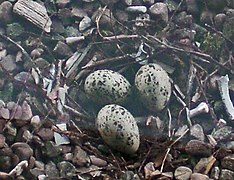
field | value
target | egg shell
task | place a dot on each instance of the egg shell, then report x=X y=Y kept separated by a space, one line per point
x=106 y=87
x=118 y=128
x=154 y=87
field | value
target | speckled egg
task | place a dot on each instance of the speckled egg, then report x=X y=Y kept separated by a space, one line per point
x=106 y=87
x=118 y=128
x=154 y=87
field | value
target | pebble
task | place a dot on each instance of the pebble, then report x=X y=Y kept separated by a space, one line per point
x=226 y=175
x=109 y=2
x=219 y=20
x=78 y=12
x=85 y=23
x=159 y=10
x=4 y=113
x=51 y=150
x=22 y=150
x=2 y=140
x=192 y=7
x=35 y=172
x=46 y=134
x=62 y=3
x=97 y=161
x=198 y=148
x=199 y=176
x=80 y=157
x=62 y=49
x=222 y=133
x=6 y=13
x=51 y=170
x=183 y=173
x=66 y=169
x=228 y=162
x=215 y=171
x=197 y=132
x=35 y=121
x=136 y=9
x=8 y=63
x=26 y=111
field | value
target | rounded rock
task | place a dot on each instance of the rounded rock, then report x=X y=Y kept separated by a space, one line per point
x=118 y=128
x=107 y=86
x=154 y=86
x=183 y=173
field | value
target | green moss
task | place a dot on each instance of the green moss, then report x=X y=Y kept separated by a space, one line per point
x=213 y=44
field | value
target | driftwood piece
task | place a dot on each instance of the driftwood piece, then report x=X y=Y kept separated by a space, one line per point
x=224 y=92
x=33 y=12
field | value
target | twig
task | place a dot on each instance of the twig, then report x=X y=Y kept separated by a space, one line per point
x=105 y=61
x=76 y=112
x=200 y=54
x=169 y=122
x=169 y=148
x=143 y=162
x=219 y=33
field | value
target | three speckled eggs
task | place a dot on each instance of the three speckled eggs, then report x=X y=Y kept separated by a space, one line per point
x=116 y=125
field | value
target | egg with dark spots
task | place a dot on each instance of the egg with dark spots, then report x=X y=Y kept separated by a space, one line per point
x=106 y=87
x=154 y=87
x=118 y=128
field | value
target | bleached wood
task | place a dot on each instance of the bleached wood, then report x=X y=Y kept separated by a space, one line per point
x=33 y=12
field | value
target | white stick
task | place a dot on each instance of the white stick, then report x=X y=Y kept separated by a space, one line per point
x=19 y=168
x=201 y=108
x=224 y=92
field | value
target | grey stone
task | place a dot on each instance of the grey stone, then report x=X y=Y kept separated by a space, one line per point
x=192 y=7
x=4 y=113
x=2 y=140
x=226 y=175
x=26 y=111
x=85 y=23
x=182 y=173
x=78 y=12
x=8 y=63
x=107 y=18
x=80 y=157
x=6 y=12
x=206 y=17
x=62 y=49
x=199 y=148
x=215 y=171
x=51 y=150
x=222 y=133
x=197 y=132
x=109 y=2
x=97 y=161
x=51 y=170
x=22 y=150
x=219 y=20
x=46 y=134
x=228 y=162
x=127 y=2
x=66 y=169
x=35 y=172
x=62 y=3
x=199 y=176
x=159 y=10
x=230 y=145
